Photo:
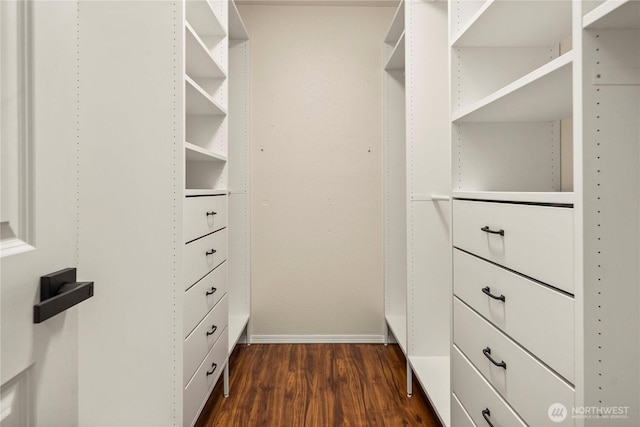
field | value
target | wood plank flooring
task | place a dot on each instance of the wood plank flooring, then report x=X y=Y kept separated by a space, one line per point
x=317 y=385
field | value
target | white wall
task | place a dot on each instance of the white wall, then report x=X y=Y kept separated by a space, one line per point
x=317 y=232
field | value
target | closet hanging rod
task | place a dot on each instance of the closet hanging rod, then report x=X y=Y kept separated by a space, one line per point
x=429 y=198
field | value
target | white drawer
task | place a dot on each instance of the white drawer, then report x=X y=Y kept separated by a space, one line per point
x=459 y=416
x=206 y=334
x=200 y=386
x=204 y=215
x=476 y=395
x=202 y=297
x=535 y=316
x=537 y=240
x=528 y=386
x=203 y=255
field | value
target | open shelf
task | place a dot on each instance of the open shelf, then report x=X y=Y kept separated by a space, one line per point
x=237 y=30
x=396 y=29
x=202 y=18
x=199 y=62
x=517 y=23
x=551 y=197
x=398 y=326
x=196 y=153
x=433 y=374
x=396 y=59
x=614 y=14
x=542 y=95
x=237 y=324
x=198 y=102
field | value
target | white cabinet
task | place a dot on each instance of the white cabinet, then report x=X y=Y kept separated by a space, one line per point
x=157 y=108
x=545 y=140
x=216 y=210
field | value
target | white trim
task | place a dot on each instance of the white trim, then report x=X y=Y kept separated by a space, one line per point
x=317 y=339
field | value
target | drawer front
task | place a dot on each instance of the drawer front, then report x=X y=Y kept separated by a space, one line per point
x=459 y=416
x=203 y=338
x=535 y=316
x=537 y=240
x=476 y=395
x=200 y=386
x=528 y=386
x=204 y=215
x=203 y=255
x=203 y=296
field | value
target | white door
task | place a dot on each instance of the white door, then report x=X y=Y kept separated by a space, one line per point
x=39 y=373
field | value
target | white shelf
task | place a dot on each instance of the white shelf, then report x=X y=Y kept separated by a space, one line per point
x=396 y=29
x=396 y=59
x=204 y=21
x=199 y=62
x=237 y=30
x=204 y=192
x=614 y=14
x=555 y=198
x=433 y=374
x=517 y=23
x=542 y=95
x=196 y=153
x=398 y=326
x=237 y=324
x=199 y=102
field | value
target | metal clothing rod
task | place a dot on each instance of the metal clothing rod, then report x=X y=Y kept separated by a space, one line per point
x=429 y=198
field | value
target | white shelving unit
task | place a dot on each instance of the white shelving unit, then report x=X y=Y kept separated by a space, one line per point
x=239 y=180
x=522 y=115
x=608 y=85
x=417 y=188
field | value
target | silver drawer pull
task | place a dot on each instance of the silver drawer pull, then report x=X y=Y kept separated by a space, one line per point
x=213 y=369
x=486 y=229
x=487 y=353
x=212 y=291
x=212 y=213
x=211 y=252
x=487 y=291
x=213 y=330
x=486 y=413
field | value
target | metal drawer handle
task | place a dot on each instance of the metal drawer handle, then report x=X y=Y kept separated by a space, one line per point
x=486 y=413
x=487 y=353
x=213 y=369
x=211 y=252
x=212 y=213
x=486 y=229
x=487 y=291
x=212 y=291
x=213 y=330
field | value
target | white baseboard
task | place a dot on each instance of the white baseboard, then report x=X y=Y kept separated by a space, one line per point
x=317 y=339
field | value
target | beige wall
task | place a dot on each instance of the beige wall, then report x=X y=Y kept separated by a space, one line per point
x=317 y=232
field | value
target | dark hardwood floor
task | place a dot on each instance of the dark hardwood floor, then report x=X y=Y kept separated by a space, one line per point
x=317 y=385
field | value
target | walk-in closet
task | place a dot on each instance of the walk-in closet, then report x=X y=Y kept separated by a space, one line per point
x=320 y=213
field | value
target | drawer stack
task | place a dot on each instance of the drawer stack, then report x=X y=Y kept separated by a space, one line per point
x=513 y=314
x=206 y=311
